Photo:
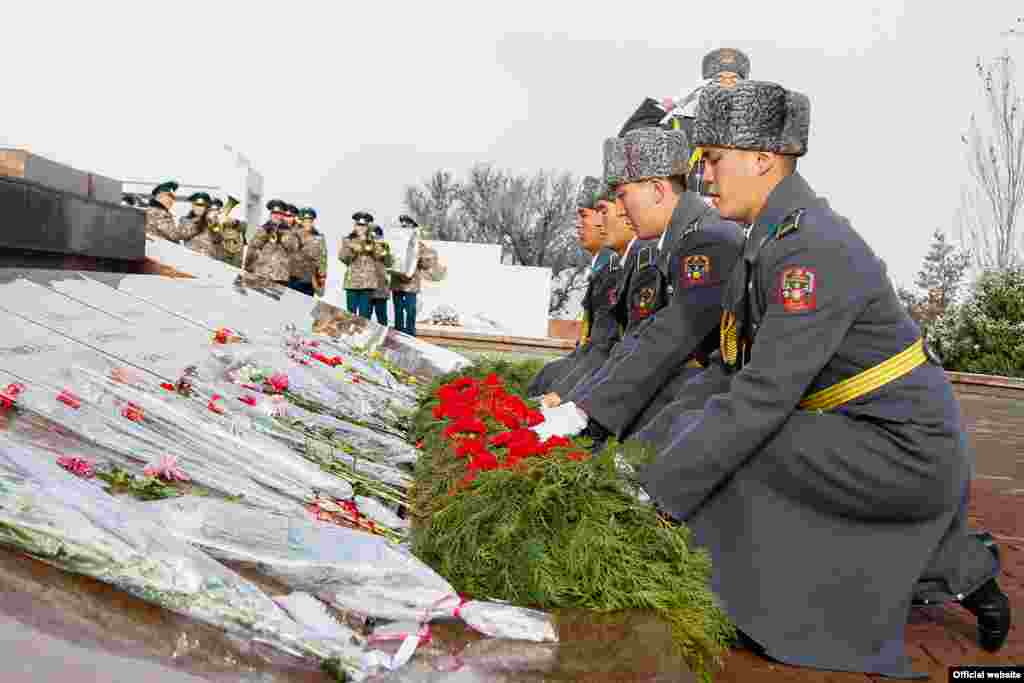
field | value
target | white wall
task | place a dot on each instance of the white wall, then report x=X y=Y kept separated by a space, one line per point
x=515 y=297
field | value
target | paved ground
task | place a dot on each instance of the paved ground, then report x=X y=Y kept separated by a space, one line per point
x=942 y=637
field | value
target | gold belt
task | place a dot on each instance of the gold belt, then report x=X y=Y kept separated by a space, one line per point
x=868 y=380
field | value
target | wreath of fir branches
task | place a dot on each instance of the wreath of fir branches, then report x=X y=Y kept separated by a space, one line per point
x=560 y=533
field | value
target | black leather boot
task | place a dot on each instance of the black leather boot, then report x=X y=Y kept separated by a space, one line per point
x=992 y=609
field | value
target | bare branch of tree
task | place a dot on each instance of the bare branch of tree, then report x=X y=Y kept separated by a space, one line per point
x=532 y=217
x=991 y=209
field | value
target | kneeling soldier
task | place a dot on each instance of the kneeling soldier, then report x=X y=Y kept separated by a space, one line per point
x=834 y=469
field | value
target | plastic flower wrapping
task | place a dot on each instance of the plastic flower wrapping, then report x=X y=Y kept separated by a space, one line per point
x=285 y=451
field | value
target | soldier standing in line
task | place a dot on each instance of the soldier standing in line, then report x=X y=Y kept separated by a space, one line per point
x=271 y=248
x=835 y=464
x=405 y=289
x=600 y=330
x=381 y=295
x=305 y=262
x=360 y=253
x=229 y=233
x=196 y=227
x=159 y=218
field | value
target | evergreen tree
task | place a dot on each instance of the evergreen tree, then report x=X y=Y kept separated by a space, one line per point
x=942 y=273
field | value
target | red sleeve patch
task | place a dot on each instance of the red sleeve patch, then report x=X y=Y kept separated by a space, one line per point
x=696 y=271
x=798 y=289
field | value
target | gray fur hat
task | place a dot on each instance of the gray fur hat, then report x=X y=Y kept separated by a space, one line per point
x=725 y=59
x=590 y=190
x=652 y=153
x=754 y=115
x=614 y=162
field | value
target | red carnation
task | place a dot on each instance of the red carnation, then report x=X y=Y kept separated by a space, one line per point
x=465 y=425
x=470 y=447
x=484 y=461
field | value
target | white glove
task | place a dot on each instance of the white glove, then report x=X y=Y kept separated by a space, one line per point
x=565 y=420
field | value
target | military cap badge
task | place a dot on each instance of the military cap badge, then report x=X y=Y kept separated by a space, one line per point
x=798 y=289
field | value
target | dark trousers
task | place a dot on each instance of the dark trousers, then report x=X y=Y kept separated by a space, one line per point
x=405 y=312
x=301 y=286
x=358 y=301
x=380 y=309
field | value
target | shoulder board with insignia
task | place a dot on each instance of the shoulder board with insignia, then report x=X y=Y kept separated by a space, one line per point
x=648 y=256
x=790 y=224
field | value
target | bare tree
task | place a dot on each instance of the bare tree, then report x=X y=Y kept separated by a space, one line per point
x=991 y=207
x=435 y=207
x=532 y=217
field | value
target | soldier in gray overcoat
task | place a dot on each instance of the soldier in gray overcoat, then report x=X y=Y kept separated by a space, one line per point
x=829 y=481
x=600 y=330
x=674 y=317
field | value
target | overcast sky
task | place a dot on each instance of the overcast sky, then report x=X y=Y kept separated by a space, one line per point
x=340 y=105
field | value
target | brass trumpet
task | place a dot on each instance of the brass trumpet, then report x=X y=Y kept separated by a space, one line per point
x=223 y=219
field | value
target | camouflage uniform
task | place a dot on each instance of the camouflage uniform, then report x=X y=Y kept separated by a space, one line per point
x=306 y=261
x=428 y=266
x=203 y=241
x=232 y=242
x=270 y=252
x=160 y=223
x=361 y=256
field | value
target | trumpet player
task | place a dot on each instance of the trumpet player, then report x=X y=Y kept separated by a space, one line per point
x=308 y=264
x=361 y=252
x=228 y=232
x=194 y=228
x=270 y=251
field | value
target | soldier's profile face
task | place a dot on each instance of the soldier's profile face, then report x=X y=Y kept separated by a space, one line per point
x=199 y=209
x=617 y=229
x=737 y=181
x=587 y=229
x=639 y=203
x=167 y=199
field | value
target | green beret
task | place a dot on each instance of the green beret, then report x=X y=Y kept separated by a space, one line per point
x=170 y=186
x=308 y=213
x=200 y=198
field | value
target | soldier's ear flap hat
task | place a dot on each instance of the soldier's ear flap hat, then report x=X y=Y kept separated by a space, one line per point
x=308 y=213
x=589 y=191
x=276 y=206
x=362 y=218
x=170 y=186
x=408 y=219
x=653 y=153
x=216 y=203
x=753 y=115
x=725 y=59
x=614 y=160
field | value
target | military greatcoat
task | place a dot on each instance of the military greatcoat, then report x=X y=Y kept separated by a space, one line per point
x=666 y=342
x=601 y=332
x=820 y=523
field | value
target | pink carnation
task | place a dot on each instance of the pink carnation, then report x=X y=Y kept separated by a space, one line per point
x=278 y=382
x=167 y=469
x=80 y=467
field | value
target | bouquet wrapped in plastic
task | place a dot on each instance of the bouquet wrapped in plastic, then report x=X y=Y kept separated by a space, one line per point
x=353 y=571
x=67 y=522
